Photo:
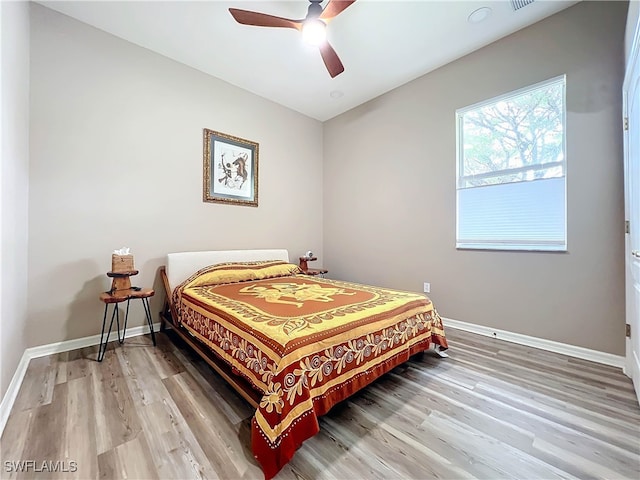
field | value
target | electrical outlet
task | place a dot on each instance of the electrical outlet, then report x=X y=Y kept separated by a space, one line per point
x=427 y=287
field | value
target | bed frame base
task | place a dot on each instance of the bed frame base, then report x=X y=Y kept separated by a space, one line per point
x=239 y=384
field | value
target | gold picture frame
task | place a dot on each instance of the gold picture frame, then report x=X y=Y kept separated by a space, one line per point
x=230 y=169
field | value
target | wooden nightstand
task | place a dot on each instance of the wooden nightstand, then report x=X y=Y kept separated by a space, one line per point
x=115 y=298
x=311 y=271
x=315 y=271
x=121 y=290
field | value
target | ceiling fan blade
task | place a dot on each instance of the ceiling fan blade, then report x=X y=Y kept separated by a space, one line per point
x=258 y=19
x=331 y=60
x=334 y=8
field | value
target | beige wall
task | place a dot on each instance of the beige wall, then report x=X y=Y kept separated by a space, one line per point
x=116 y=160
x=389 y=181
x=14 y=185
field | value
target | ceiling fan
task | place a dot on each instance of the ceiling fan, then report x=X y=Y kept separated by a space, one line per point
x=313 y=27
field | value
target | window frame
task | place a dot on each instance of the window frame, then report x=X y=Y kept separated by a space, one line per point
x=507 y=246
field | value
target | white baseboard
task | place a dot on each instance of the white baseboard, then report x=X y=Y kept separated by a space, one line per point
x=43 y=350
x=13 y=389
x=67 y=345
x=541 y=343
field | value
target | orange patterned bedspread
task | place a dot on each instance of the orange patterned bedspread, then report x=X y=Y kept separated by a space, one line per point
x=305 y=343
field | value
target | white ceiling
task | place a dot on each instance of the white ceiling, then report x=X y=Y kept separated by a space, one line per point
x=382 y=44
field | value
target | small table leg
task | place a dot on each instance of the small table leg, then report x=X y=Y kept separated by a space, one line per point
x=102 y=349
x=124 y=329
x=115 y=299
x=147 y=311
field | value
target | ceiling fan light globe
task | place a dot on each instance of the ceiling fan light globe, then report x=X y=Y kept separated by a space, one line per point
x=314 y=32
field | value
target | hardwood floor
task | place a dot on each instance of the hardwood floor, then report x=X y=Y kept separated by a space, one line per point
x=491 y=410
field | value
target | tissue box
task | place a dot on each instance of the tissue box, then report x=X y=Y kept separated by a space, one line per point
x=121 y=263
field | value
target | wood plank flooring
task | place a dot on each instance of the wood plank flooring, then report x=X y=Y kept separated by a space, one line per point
x=491 y=410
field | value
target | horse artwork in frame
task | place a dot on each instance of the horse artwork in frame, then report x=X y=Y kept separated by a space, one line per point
x=230 y=169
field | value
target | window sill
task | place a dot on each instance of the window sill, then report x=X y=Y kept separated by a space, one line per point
x=514 y=248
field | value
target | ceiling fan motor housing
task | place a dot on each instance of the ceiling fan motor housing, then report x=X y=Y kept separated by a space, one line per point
x=314 y=9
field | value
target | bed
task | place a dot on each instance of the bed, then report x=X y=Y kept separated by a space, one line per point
x=293 y=345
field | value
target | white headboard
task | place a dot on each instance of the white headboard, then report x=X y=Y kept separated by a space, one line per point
x=182 y=265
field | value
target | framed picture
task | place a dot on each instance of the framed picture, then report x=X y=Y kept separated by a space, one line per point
x=230 y=169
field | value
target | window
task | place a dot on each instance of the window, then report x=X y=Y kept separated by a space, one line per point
x=511 y=171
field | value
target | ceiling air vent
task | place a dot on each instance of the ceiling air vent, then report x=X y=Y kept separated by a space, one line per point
x=518 y=4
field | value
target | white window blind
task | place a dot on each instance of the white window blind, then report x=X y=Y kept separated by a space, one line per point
x=511 y=190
